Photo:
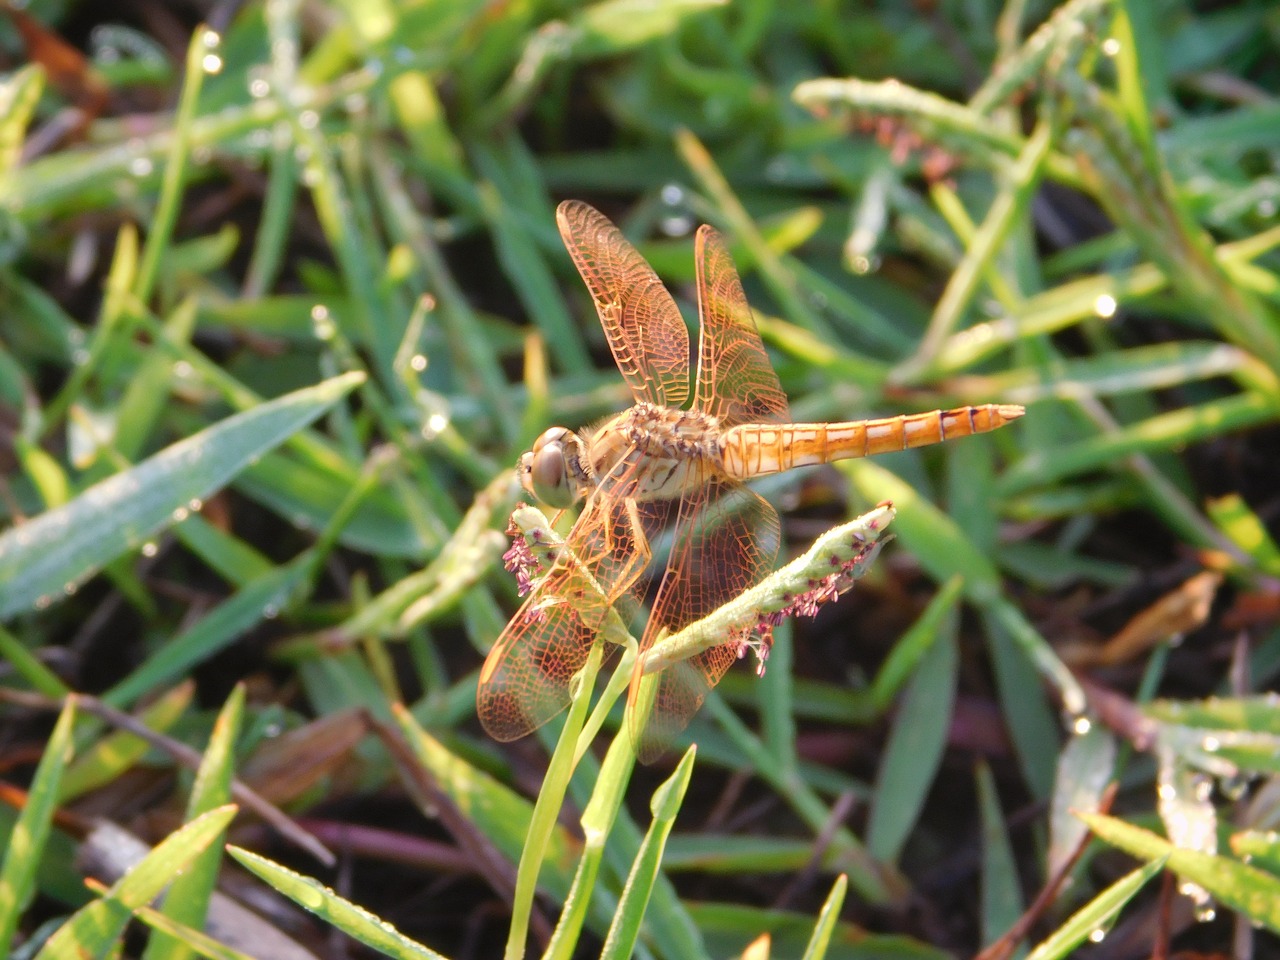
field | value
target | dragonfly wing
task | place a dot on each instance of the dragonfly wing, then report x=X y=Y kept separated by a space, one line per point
x=641 y=321
x=726 y=539
x=736 y=381
x=525 y=679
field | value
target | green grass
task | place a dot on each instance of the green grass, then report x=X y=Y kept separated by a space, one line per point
x=278 y=320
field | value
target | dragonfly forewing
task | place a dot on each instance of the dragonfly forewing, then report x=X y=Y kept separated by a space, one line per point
x=526 y=678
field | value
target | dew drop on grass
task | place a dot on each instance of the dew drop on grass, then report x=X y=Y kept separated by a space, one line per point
x=418 y=362
x=141 y=166
x=150 y=549
x=1105 y=306
x=1097 y=935
x=259 y=85
x=310 y=897
x=675 y=225
x=1110 y=47
x=322 y=322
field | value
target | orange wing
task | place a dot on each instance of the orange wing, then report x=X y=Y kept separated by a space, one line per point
x=736 y=381
x=646 y=333
x=525 y=678
x=726 y=539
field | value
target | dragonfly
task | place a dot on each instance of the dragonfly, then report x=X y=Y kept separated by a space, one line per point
x=674 y=465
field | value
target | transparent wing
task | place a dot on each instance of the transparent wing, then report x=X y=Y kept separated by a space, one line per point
x=726 y=539
x=641 y=321
x=736 y=381
x=525 y=679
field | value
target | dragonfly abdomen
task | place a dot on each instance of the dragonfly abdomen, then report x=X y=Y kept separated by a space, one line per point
x=756 y=449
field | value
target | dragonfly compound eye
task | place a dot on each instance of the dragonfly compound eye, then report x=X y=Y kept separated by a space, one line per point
x=549 y=469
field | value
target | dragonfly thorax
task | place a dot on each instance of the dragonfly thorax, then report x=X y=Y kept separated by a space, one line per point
x=651 y=452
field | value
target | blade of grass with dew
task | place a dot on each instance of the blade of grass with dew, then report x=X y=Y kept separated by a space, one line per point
x=1097 y=914
x=61 y=548
x=1253 y=892
x=623 y=933
x=916 y=744
x=95 y=930
x=354 y=921
x=187 y=900
x=25 y=844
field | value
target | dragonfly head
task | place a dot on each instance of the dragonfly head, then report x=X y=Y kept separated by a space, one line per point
x=553 y=471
